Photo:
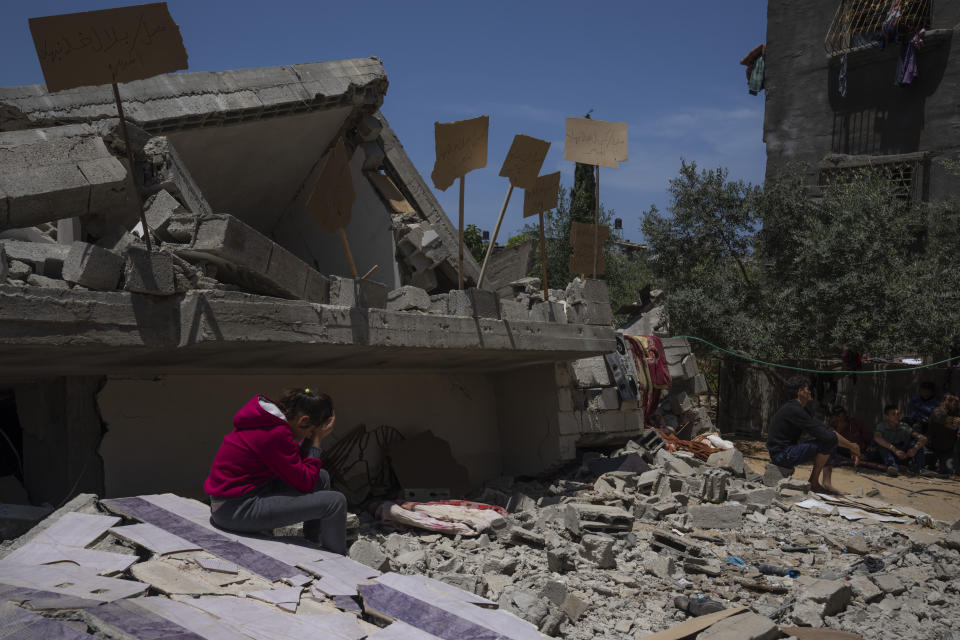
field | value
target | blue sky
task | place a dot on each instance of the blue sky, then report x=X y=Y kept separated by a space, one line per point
x=670 y=70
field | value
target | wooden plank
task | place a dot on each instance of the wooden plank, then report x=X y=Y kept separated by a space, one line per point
x=129 y=620
x=211 y=541
x=444 y=616
x=153 y=538
x=188 y=617
x=263 y=622
x=34 y=553
x=76 y=529
x=71 y=581
x=402 y=631
x=427 y=588
x=287 y=598
x=693 y=625
x=19 y=624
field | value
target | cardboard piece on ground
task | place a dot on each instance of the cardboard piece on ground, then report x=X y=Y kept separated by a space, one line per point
x=427 y=461
x=581 y=238
x=461 y=148
x=810 y=633
x=693 y=625
x=102 y=47
x=524 y=160
x=542 y=196
x=595 y=142
x=389 y=192
x=331 y=202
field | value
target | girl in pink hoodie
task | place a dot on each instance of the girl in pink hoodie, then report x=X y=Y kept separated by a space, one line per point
x=267 y=473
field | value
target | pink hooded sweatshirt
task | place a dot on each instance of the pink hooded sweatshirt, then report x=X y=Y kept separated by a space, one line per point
x=260 y=448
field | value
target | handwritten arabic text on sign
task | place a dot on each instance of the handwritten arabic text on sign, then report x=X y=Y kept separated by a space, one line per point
x=331 y=202
x=543 y=196
x=595 y=142
x=461 y=148
x=101 y=47
x=523 y=161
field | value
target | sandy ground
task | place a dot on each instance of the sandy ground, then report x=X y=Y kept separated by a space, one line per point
x=897 y=491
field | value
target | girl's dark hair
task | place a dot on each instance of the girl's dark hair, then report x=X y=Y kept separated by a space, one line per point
x=318 y=406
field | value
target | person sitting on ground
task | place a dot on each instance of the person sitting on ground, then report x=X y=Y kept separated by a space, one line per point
x=943 y=429
x=898 y=442
x=853 y=429
x=921 y=406
x=790 y=423
x=261 y=478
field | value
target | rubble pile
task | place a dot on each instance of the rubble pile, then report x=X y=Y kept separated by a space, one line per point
x=633 y=552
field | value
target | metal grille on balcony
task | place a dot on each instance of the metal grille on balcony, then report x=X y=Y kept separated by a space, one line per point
x=859 y=24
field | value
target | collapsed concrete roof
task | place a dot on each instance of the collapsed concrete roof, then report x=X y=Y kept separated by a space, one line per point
x=226 y=162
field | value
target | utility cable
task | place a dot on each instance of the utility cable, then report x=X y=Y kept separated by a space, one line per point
x=806 y=370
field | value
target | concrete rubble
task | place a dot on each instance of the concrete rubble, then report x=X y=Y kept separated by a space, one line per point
x=619 y=556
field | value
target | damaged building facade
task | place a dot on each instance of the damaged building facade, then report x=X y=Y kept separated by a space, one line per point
x=121 y=368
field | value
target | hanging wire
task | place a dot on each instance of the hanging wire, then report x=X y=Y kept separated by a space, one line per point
x=806 y=370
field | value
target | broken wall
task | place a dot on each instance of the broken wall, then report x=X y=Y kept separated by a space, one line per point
x=162 y=434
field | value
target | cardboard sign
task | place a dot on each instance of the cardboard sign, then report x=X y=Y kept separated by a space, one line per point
x=543 y=195
x=461 y=148
x=524 y=161
x=581 y=237
x=595 y=142
x=331 y=202
x=389 y=192
x=113 y=45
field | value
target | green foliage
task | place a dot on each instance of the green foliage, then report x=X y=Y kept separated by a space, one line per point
x=473 y=240
x=778 y=274
x=519 y=239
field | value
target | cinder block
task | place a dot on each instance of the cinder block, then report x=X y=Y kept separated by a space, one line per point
x=513 y=310
x=228 y=238
x=485 y=304
x=590 y=372
x=286 y=270
x=408 y=298
x=609 y=399
x=317 y=287
x=700 y=385
x=148 y=272
x=161 y=210
x=548 y=311
x=689 y=366
x=108 y=185
x=45 y=258
x=347 y=292
x=458 y=303
x=93 y=267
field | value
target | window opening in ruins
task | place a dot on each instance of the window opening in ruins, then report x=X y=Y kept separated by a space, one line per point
x=859 y=24
x=905 y=175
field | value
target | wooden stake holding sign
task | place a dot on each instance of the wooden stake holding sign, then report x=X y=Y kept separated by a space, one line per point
x=522 y=165
x=108 y=47
x=602 y=144
x=461 y=148
x=542 y=197
x=331 y=202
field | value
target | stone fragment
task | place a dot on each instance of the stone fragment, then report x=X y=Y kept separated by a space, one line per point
x=856 y=544
x=889 y=583
x=408 y=298
x=673 y=464
x=599 y=549
x=574 y=607
x=744 y=626
x=148 y=272
x=368 y=553
x=729 y=459
x=160 y=211
x=561 y=560
x=18 y=270
x=483 y=303
x=48 y=283
x=555 y=591
x=773 y=474
x=865 y=589
x=526 y=605
x=92 y=267
x=590 y=372
x=834 y=595
x=357 y=293
x=725 y=516
x=45 y=258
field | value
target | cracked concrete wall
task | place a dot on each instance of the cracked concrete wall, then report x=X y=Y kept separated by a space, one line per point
x=162 y=434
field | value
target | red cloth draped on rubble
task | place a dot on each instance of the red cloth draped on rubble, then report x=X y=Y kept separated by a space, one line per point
x=653 y=373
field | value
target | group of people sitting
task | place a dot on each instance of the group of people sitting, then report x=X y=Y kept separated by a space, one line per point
x=795 y=436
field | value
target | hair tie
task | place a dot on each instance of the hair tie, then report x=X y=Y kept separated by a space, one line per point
x=307 y=390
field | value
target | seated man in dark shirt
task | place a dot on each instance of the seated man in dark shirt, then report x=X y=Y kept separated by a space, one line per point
x=790 y=423
x=898 y=442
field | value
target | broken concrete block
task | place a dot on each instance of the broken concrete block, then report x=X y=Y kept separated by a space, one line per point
x=164 y=169
x=513 y=310
x=160 y=211
x=45 y=258
x=555 y=591
x=148 y=272
x=774 y=474
x=744 y=626
x=865 y=589
x=673 y=464
x=574 y=607
x=833 y=595
x=92 y=267
x=408 y=298
x=599 y=549
x=889 y=583
x=680 y=403
x=48 y=283
x=714 y=487
x=590 y=372
x=368 y=553
x=548 y=311
x=19 y=270
x=729 y=459
x=689 y=366
x=589 y=301
x=699 y=385
x=561 y=560
x=316 y=288
x=368 y=129
x=347 y=292
x=724 y=516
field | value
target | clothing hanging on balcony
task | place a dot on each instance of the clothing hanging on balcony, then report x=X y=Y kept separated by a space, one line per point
x=907 y=70
x=754 y=62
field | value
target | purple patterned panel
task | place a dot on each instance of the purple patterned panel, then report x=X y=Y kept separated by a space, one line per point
x=219 y=545
x=140 y=623
x=19 y=624
x=417 y=613
x=347 y=603
x=40 y=600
